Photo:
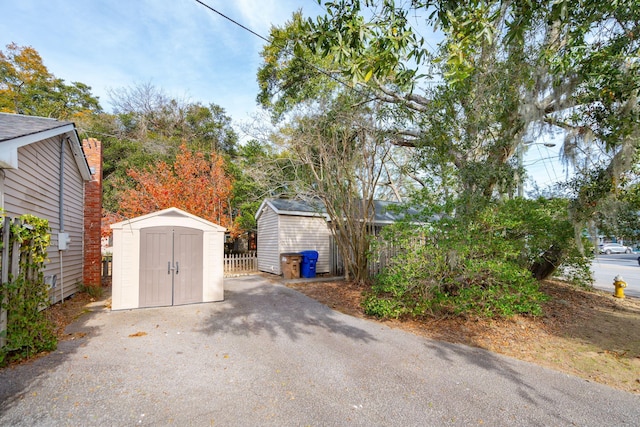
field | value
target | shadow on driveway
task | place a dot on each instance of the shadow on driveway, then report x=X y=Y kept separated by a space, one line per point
x=269 y=355
x=254 y=305
x=14 y=380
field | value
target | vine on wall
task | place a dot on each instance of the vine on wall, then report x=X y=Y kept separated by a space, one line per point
x=25 y=295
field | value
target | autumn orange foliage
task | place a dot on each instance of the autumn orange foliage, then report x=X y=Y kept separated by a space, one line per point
x=193 y=183
x=109 y=218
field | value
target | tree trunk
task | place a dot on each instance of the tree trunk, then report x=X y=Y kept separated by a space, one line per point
x=548 y=263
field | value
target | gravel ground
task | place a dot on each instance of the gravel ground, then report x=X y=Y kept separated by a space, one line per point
x=269 y=355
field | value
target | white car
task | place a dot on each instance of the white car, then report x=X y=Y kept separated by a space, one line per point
x=615 y=248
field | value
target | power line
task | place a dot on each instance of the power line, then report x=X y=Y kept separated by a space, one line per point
x=311 y=65
x=544 y=162
x=316 y=68
x=231 y=20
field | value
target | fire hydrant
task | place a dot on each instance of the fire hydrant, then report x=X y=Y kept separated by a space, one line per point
x=619 y=284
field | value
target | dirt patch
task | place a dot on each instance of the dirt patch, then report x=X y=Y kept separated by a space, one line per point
x=589 y=334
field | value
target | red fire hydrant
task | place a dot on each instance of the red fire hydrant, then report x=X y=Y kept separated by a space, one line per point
x=619 y=284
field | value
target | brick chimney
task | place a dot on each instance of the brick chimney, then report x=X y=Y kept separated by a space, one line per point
x=93 y=214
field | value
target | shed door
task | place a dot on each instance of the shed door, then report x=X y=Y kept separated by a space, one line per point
x=170 y=266
x=187 y=254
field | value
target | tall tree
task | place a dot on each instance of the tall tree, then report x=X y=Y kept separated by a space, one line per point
x=27 y=87
x=252 y=182
x=338 y=156
x=148 y=115
x=506 y=70
x=148 y=126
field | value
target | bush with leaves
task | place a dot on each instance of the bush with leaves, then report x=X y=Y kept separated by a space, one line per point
x=26 y=295
x=480 y=264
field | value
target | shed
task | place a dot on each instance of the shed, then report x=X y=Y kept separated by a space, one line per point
x=169 y=257
x=286 y=225
x=289 y=225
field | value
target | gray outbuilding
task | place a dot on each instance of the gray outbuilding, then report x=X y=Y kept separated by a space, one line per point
x=169 y=257
x=286 y=225
x=292 y=225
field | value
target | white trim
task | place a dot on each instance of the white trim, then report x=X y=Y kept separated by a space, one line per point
x=9 y=148
x=291 y=213
x=79 y=157
x=167 y=212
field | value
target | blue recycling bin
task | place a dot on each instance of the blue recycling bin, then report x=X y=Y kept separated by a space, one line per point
x=308 y=263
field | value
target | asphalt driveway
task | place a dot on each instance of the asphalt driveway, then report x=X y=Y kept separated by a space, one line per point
x=269 y=355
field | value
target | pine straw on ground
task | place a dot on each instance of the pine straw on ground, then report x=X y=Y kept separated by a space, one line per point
x=590 y=334
x=63 y=314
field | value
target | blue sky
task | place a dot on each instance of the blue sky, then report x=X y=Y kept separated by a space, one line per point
x=178 y=46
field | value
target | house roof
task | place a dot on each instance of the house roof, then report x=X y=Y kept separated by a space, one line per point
x=13 y=126
x=18 y=130
x=383 y=211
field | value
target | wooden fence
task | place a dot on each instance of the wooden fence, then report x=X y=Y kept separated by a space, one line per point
x=10 y=269
x=240 y=264
x=234 y=264
x=107 y=265
x=381 y=256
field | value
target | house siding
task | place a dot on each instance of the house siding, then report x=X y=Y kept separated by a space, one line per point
x=302 y=233
x=268 y=250
x=33 y=188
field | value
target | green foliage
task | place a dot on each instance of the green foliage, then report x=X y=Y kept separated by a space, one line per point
x=249 y=187
x=27 y=87
x=482 y=263
x=578 y=271
x=504 y=72
x=28 y=330
x=612 y=206
x=290 y=72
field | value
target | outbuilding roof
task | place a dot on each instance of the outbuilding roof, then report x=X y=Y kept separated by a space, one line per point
x=384 y=212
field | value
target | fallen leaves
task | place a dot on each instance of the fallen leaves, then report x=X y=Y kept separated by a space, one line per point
x=137 y=334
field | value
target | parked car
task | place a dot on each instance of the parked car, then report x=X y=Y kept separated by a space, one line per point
x=615 y=248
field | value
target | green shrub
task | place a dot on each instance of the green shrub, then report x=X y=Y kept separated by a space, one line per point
x=481 y=264
x=28 y=330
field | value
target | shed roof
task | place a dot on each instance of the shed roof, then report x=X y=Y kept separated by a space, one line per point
x=383 y=210
x=169 y=213
x=17 y=130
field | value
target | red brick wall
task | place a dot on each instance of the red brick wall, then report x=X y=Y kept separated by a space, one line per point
x=93 y=213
